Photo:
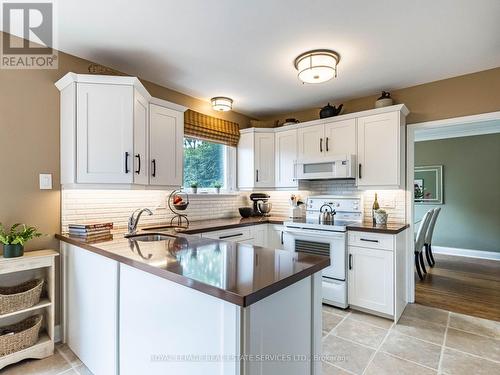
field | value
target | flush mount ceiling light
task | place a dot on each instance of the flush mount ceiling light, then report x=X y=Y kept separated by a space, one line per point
x=317 y=66
x=221 y=103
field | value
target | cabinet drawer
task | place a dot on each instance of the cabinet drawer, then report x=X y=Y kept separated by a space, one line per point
x=371 y=240
x=234 y=234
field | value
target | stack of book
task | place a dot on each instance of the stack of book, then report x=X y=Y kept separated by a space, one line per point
x=91 y=232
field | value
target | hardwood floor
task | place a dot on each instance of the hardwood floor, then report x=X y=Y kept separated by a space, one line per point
x=463 y=285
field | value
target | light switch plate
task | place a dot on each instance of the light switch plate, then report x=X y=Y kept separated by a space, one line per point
x=45 y=181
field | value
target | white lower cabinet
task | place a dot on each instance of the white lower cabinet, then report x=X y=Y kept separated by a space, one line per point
x=275 y=237
x=377 y=276
x=370 y=279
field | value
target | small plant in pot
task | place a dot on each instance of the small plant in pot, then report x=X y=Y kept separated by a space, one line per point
x=217 y=187
x=14 y=239
x=194 y=187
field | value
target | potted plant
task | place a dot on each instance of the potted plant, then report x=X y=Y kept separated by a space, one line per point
x=194 y=187
x=217 y=187
x=13 y=240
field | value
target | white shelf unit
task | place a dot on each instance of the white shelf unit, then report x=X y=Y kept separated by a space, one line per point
x=40 y=263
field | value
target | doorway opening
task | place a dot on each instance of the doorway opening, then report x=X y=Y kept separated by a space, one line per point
x=453 y=180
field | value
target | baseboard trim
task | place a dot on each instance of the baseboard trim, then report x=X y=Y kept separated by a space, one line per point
x=57 y=333
x=468 y=253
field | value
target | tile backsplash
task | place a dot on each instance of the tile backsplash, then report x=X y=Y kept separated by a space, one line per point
x=83 y=206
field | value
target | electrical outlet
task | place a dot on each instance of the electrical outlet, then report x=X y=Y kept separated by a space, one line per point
x=45 y=181
x=388 y=202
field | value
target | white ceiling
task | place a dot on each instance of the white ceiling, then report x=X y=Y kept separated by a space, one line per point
x=245 y=49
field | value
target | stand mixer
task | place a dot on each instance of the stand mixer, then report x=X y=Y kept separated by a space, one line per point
x=261 y=204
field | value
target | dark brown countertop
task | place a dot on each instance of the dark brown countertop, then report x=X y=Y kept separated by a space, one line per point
x=367 y=226
x=233 y=222
x=239 y=273
x=236 y=222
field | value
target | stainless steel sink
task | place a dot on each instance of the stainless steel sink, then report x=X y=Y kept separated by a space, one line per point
x=148 y=237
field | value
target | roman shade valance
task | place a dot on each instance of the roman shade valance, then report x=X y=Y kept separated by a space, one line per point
x=211 y=128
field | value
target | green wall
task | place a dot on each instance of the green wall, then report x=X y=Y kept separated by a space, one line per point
x=470 y=215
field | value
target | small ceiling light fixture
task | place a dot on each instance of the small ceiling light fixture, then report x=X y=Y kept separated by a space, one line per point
x=222 y=103
x=317 y=66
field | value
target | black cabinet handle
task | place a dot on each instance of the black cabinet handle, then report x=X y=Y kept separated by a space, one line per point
x=256 y=175
x=126 y=162
x=230 y=236
x=321 y=145
x=326 y=144
x=282 y=238
x=359 y=174
x=350 y=261
x=367 y=240
x=138 y=156
x=154 y=167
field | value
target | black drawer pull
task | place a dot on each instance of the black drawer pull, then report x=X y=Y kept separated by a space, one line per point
x=350 y=261
x=230 y=236
x=154 y=167
x=367 y=240
x=138 y=156
x=126 y=162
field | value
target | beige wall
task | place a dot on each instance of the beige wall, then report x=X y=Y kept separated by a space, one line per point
x=459 y=96
x=29 y=142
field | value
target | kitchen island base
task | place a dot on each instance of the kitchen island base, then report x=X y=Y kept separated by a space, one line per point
x=160 y=327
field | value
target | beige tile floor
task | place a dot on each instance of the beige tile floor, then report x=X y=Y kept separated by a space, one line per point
x=425 y=341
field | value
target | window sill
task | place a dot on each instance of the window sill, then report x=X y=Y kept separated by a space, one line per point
x=212 y=195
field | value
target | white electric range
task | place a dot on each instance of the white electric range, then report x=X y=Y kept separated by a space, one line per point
x=310 y=236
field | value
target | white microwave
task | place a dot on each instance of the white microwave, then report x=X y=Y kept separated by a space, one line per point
x=334 y=166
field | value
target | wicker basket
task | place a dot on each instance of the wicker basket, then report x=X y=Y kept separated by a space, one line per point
x=20 y=336
x=19 y=297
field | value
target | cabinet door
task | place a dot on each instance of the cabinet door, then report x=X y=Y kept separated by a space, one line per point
x=264 y=159
x=379 y=150
x=310 y=142
x=166 y=134
x=286 y=154
x=259 y=234
x=246 y=170
x=370 y=279
x=340 y=137
x=275 y=237
x=140 y=139
x=105 y=121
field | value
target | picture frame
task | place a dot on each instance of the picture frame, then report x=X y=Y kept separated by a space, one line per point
x=428 y=184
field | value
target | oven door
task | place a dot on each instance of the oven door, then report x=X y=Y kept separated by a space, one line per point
x=320 y=242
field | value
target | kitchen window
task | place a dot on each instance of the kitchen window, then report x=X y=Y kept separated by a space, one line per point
x=209 y=163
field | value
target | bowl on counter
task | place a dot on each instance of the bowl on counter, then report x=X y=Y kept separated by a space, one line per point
x=245 y=211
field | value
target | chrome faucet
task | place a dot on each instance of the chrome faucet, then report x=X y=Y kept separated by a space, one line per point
x=134 y=220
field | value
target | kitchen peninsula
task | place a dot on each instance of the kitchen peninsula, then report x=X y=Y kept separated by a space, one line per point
x=167 y=302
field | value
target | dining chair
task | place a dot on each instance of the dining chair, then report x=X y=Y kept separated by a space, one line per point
x=428 y=237
x=419 y=243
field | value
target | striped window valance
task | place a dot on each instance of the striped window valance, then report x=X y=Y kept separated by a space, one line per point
x=210 y=128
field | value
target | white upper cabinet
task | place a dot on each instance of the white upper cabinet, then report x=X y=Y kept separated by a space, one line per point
x=107 y=138
x=310 y=142
x=264 y=160
x=104 y=133
x=381 y=150
x=141 y=114
x=285 y=157
x=256 y=159
x=166 y=129
x=340 y=137
x=327 y=139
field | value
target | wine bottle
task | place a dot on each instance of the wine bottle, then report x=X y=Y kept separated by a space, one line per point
x=375 y=207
